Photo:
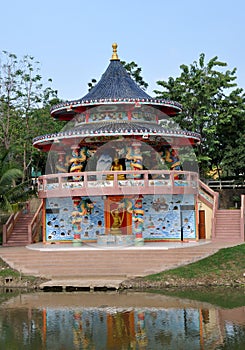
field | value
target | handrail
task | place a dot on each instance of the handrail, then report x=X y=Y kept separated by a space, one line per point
x=226 y=184
x=209 y=192
x=214 y=215
x=207 y=188
x=242 y=230
x=117 y=180
x=9 y=226
x=35 y=223
x=214 y=205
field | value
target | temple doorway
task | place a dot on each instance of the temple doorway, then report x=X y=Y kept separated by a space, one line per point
x=201 y=225
x=118 y=221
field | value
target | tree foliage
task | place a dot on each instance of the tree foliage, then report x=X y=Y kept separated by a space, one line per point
x=213 y=106
x=24 y=109
x=12 y=191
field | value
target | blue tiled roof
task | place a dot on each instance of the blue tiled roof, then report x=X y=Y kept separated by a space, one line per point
x=116 y=83
x=125 y=128
x=115 y=87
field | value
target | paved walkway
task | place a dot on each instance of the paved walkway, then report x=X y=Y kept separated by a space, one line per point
x=93 y=266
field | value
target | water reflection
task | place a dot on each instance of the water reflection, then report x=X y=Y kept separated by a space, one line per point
x=117 y=321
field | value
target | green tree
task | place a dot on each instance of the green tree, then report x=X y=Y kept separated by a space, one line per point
x=11 y=192
x=231 y=131
x=22 y=94
x=212 y=106
x=135 y=73
x=8 y=96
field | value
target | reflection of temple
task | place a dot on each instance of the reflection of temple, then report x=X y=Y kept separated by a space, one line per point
x=122 y=178
x=65 y=326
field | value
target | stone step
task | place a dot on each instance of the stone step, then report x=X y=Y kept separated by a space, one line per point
x=116 y=261
x=98 y=263
x=228 y=229
x=227 y=226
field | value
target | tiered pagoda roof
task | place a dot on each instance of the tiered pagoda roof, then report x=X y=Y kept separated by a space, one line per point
x=116 y=89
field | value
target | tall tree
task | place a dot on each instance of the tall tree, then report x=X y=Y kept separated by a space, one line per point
x=8 y=96
x=232 y=135
x=212 y=106
x=22 y=92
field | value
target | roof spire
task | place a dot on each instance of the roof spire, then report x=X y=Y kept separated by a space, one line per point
x=114 y=54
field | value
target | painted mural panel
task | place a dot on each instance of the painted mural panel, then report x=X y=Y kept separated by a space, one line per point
x=163 y=216
x=60 y=222
x=162 y=219
x=189 y=224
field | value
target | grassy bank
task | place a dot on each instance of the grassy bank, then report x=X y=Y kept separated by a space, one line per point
x=224 y=268
x=12 y=278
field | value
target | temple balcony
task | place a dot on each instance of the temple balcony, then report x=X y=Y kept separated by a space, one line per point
x=109 y=183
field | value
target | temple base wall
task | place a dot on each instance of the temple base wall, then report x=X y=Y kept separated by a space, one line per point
x=162 y=218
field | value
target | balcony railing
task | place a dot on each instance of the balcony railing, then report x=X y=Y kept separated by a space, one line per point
x=117 y=183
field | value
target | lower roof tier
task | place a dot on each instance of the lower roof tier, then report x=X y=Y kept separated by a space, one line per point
x=102 y=132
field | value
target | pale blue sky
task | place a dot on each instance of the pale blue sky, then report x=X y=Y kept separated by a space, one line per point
x=72 y=39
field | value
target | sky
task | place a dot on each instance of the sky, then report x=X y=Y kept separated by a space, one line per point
x=73 y=39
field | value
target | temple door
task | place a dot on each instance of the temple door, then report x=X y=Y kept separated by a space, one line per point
x=201 y=225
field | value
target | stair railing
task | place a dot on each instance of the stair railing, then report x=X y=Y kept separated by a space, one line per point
x=35 y=224
x=9 y=226
x=211 y=198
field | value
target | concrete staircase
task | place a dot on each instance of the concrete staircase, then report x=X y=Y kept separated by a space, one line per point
x=99 y=263
x=228 y=226
x=23 y=227
x=19 y=235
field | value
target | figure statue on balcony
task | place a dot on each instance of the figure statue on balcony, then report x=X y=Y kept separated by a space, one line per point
x=171 y=158
x=78 y=161
x=136 y=160
x=116 y=166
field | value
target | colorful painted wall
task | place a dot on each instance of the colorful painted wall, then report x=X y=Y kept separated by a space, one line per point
x=166 y=217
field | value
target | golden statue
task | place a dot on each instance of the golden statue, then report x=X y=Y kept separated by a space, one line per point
x=117 y=222
x=116 y=166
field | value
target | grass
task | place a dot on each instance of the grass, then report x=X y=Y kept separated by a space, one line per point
x=6 y=271
x=226 y=263
x=18 y=279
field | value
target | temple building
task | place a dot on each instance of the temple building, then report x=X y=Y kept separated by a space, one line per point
x=119 y=172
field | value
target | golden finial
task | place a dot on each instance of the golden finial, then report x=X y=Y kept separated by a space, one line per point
x=114 y=54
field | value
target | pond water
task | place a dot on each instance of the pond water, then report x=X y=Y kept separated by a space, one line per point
x=114 y=321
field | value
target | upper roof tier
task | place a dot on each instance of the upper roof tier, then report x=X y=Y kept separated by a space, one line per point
x=115 y=87
x=116 y=83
